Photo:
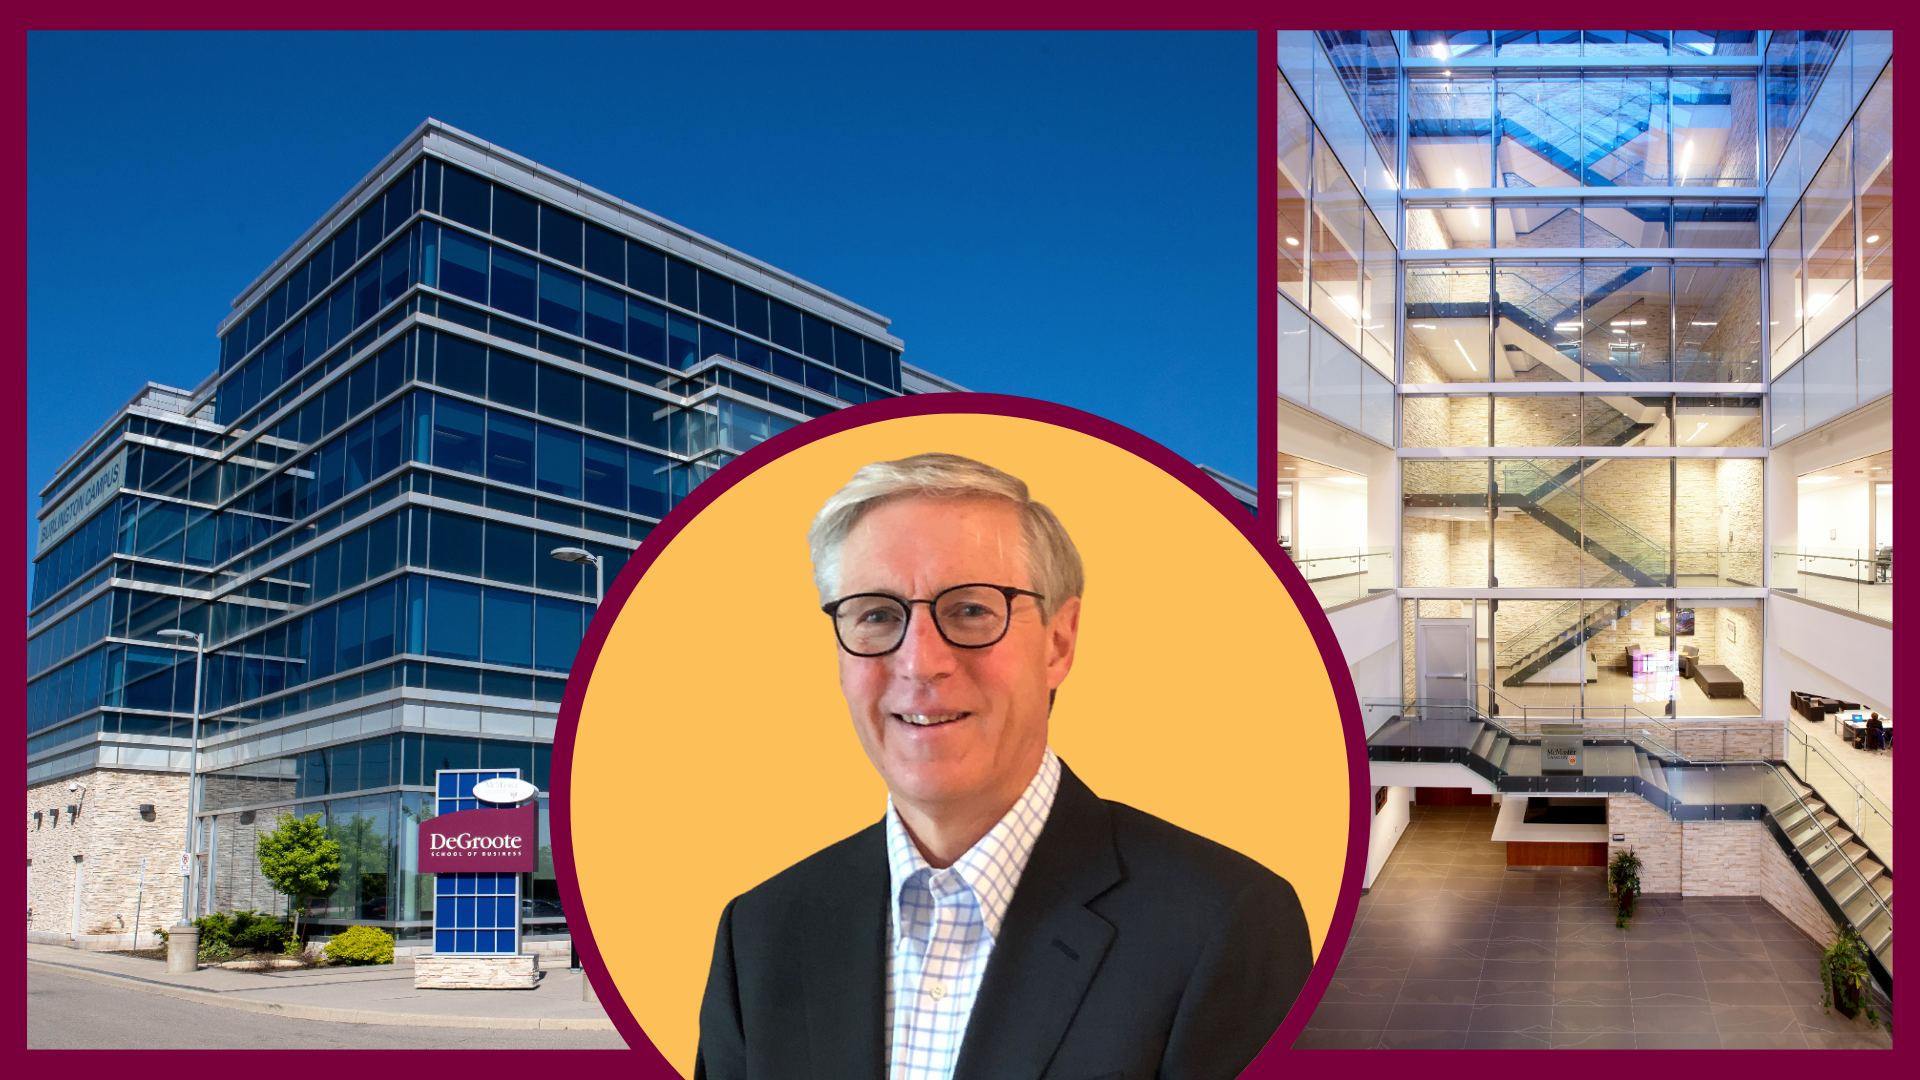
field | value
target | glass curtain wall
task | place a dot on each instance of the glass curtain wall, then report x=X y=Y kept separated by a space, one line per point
x=1833 y=255
x=1460 y=44
x=1570 y=130
x=1337 y=263
x=1566 y=321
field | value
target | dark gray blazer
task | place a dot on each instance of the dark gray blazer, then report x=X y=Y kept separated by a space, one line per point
x=1131 y=949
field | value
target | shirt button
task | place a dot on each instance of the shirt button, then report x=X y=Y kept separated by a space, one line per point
x=938 y=991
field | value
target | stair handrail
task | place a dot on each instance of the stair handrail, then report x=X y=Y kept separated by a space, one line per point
x=1586 y=504
x=1865 y=801
x=1517 y=640
x=1507 y=645
x=1877 y=902
x=1669 y=747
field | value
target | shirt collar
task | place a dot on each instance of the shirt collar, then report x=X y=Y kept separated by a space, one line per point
x=992 y=867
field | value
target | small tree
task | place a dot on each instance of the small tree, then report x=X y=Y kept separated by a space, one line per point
x=299 y=860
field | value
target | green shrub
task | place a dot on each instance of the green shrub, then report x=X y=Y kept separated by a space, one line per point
x=215 y=929
x=215 y=952
x=260 y=932
x=362 y=945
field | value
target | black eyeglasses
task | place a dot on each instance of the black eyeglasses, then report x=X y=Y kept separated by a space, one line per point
x=971 y=616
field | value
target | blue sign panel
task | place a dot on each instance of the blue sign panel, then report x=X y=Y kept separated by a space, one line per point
x=477 y=913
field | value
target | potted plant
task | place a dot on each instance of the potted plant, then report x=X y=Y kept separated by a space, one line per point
x=1843 y=976
x=1623 y=884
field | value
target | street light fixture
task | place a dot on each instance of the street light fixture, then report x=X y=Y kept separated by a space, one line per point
x=582 y=555
x=193 y=776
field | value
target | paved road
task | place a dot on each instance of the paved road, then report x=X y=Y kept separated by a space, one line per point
x=64 y=1012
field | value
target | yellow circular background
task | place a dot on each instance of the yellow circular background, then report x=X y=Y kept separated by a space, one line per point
x=714 y=749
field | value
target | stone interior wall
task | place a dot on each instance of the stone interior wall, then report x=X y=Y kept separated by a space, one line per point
x=1654 y=837
x=1739 y=165
x=1722 y=858
x=1420 y=366
x=1424 y=551
x=1562 y=230
x=111 y=836
x=1426 y=231
x=1438 y=553
x=1742 y=657
x=1432 y=421
x=1534 y=421
x=1423 y=421
x=1408 y=609
x=1527 y=554
x=1739 y=489
x=1789 y=894
x=1727 y=351
x=1739 y=738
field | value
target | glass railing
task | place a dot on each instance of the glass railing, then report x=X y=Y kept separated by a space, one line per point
x=1853 y=579
x=1738 y=568
x=1864 y=812
x=1612 y=428
x=1342 y=575
x=1596 y=525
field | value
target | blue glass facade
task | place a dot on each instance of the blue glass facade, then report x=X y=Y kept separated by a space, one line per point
x=463 y=367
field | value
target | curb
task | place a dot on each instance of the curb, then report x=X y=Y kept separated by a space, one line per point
x=331 y=1015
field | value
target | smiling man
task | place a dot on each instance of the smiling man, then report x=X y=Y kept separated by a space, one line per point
x=1001 y=920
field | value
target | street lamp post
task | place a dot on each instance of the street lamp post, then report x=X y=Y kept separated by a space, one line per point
x=183 y=945
x=582 y=555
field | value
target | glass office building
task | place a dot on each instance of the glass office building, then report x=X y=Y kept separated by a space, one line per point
x=469 y=362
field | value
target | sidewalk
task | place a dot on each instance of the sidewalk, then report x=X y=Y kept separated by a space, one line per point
x=348 y=995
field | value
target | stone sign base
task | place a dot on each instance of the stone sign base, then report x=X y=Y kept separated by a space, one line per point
x=456 y=971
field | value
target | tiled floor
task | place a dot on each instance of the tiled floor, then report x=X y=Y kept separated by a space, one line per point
x=1452 y=949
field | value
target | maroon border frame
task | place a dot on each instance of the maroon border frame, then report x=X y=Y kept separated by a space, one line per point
x=1269 y=1062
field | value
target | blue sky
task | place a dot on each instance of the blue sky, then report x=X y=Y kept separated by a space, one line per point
x=1064 y=217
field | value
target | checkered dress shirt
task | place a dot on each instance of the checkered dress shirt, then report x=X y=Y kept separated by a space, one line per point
x=944 y=923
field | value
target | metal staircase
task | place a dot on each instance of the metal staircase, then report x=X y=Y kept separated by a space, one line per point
x=1640 y=755
x=1852 y=883
x=1555 y=502
x=1561 y=631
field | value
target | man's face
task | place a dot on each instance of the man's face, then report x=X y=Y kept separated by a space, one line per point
x=945 y=726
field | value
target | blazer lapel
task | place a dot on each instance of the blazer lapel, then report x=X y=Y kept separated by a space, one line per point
x=845 y=961
x=1050 y=945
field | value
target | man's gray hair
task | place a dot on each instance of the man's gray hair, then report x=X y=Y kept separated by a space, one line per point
x=1053 y=563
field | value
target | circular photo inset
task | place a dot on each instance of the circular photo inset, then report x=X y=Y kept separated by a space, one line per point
x=959 y=739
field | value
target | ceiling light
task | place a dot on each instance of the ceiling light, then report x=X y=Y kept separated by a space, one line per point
x=1463 y=352
x=1873 y=239
x=1292 y=241
x=1696 y=431
x=1423 y=326
x=1705 y=324
x=1462 y=174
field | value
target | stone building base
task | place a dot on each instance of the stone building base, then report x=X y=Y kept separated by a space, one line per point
x=445 y=971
